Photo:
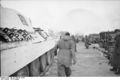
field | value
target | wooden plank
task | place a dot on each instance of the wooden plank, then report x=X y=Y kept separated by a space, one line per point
x=35 y=68
x=49 y=58
x=14 y=59
x=43 y=62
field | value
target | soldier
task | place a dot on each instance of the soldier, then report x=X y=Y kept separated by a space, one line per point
x=86 y=42
x=65 y=55
x=73 y=37
x=115 y=60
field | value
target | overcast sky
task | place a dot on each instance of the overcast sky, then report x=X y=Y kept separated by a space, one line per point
x=75 y=16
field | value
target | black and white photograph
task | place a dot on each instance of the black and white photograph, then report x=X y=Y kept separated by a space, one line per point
x=59 y=38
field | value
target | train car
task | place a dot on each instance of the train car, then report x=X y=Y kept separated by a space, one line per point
x=107 y=41
x=23 y=51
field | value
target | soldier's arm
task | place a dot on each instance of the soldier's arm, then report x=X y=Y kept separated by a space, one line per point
x=73 y=51
x=56 y=48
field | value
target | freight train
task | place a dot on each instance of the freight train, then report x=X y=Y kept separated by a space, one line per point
x=107 y=41
x=24 y=51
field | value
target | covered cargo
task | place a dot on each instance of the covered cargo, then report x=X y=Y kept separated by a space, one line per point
x=17 y=55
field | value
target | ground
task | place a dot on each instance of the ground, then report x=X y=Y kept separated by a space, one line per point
x=90 y=62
